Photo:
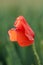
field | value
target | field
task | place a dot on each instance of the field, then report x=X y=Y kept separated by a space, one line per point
x=10 y=52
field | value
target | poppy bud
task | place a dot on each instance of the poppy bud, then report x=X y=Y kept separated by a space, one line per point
x=22 y=33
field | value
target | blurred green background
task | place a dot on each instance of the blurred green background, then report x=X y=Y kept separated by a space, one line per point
x=12 y=53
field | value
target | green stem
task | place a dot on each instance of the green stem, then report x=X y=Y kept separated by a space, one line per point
x=36 y=57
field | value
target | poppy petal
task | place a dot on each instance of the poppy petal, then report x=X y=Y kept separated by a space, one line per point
x=23 y=40
x=12 y=34
x=22 y=23
x=28 y=29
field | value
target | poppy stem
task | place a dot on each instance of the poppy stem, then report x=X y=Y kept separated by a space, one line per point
x=37 y=59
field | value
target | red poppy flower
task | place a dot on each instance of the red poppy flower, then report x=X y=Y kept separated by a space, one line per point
x=22 y=33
